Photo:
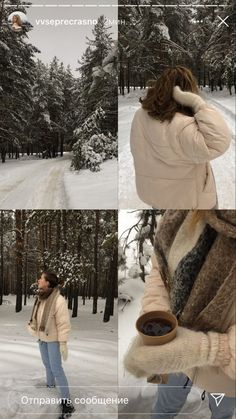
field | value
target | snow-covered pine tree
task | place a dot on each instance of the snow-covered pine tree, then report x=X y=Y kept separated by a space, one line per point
x=68 y=108
x=96 y=137
x=84 y=156
x=16 y=80
x=156 y=37
x=40 y=123
x=144 y=45
x=219 y=53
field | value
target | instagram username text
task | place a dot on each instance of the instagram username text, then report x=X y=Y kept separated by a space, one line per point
x=72 y=22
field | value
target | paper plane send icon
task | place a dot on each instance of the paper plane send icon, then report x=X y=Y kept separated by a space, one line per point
x=218 y=397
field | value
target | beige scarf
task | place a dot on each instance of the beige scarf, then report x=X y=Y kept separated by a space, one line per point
x=48 y=311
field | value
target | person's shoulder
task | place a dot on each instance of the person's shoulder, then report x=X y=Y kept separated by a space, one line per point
x=181 y=121
x=141 y=111
x=60 y=300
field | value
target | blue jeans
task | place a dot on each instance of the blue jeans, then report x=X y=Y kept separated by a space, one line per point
x=170 y=400
x=51 y=357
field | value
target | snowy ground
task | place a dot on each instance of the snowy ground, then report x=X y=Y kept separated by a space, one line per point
x=33 y=183
x=91 y=367
x=223 y=167
x=142 y=395
x=91 y=190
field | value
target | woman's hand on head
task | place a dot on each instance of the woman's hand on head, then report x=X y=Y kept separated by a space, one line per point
x=189 y=99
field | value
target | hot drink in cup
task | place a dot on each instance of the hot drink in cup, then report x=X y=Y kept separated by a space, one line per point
x=157 y=327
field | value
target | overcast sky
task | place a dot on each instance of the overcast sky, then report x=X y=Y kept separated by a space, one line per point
x=67 y=42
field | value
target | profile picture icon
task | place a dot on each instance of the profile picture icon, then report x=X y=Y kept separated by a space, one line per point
x=17 y=20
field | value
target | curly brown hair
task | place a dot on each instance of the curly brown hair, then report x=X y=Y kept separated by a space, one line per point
x=159 y=101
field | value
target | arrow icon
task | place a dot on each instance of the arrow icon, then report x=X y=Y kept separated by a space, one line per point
x=218 y=397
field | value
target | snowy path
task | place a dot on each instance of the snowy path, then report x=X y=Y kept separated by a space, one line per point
x=22 y=372
x=223 y=167
x=51 y=184
x=33 y=184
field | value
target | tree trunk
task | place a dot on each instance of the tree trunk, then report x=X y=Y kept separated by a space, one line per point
x=19 y=216
x=2 y=262
x=26 y=270
x=70 y=299
x=75 y=301
x=112 y=287
x=64 y=230
x=95 y=281
x=61 y=143
x=58 y=235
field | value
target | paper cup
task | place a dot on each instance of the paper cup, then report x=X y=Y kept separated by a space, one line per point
x=164 y=317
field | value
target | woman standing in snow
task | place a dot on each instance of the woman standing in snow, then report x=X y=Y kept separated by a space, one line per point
x=50 y=323
x=174 y=135
x=193 y=276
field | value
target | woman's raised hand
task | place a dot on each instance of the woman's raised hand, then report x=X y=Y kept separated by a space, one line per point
x=189 y=99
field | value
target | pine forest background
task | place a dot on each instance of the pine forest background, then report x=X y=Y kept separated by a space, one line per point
x=45 y=109
x=153 y=38
x=79 y=246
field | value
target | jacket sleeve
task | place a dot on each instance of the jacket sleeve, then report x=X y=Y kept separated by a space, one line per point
x=31 y=331
x=137 y=137
x=155 y=295
x=204 y=137
x=62 y=319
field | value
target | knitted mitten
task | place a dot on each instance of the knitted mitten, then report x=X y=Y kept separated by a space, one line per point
x=188 y=350
x=188 y=99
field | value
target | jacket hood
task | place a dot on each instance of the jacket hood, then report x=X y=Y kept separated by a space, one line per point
x=223 y=221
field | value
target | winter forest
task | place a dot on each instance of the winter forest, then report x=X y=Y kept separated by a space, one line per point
x=80 y=247
x=153 y=38
x=46 y=110
x=58 y=124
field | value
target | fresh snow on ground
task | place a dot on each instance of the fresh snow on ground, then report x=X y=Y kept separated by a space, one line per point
x=91 y=367
x=142 y=395
x=87 y=189
x=32 y=183
x=223 y=167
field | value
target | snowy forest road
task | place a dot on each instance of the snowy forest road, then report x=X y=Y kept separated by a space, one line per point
x=224 y=166
x=33 y=183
